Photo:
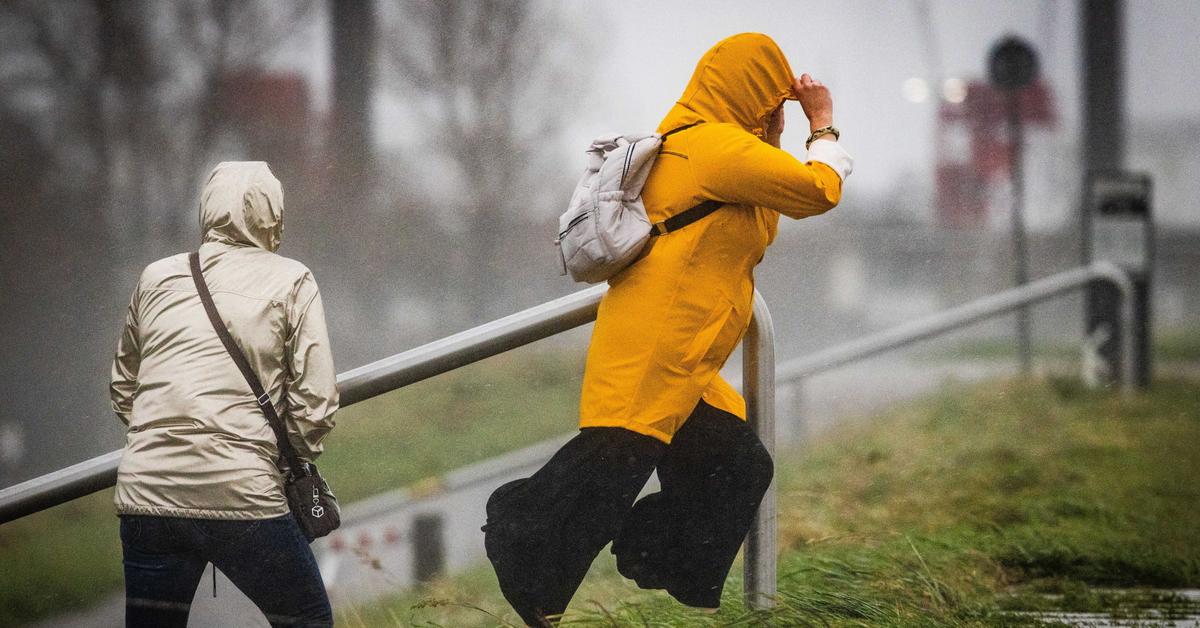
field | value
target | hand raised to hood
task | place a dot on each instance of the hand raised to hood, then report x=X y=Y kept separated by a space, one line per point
x=815 y=99
x=774 y=130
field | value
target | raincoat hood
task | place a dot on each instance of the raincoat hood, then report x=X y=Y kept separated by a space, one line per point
x=242 y=205
x=697 y=284
x=739 y=81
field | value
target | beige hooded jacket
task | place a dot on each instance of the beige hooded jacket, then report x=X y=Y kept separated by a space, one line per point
x=198 y=445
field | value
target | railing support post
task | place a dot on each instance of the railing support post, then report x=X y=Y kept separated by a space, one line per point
x=758 y=384
x=429 y=547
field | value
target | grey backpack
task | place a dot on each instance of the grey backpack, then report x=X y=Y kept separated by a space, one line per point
x=605 y=228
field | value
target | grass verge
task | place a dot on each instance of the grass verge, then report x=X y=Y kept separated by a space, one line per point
x=1180 y=344
x=967 y=508
x=1171 y=345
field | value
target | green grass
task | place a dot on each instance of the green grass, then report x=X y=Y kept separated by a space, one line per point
x=63 y=558
x=1000 y=349
x=959 y=510
x=1180 y=344
x=438 y=425
x=955 y=510
x=1171 y=345
x=69 y=557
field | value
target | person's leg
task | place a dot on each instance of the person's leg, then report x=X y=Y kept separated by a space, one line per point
x=543 y=532
x=271 y=562
x=684 y=539
x=162 y=570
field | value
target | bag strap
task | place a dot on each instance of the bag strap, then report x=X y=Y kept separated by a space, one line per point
x=687 y=216
x=685 y=127
x=286 y=451
x=684 y=218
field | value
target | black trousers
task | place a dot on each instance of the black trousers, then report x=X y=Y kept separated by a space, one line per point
x=543 y=532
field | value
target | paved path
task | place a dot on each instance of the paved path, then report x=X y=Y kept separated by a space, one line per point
x=1183 y=612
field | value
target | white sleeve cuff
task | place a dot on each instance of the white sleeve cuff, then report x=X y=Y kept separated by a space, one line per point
x=833 y=155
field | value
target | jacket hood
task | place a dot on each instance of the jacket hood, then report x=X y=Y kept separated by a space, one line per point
x=242 y=204
x=740 y=80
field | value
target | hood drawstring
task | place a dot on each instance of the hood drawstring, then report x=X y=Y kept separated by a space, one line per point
x=214 y=581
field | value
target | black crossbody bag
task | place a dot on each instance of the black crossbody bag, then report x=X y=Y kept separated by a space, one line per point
x=308 y=494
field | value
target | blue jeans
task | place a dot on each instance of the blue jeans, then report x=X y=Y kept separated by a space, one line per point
x=268 y=559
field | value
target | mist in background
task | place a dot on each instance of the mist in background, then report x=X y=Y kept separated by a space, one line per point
x=426 y=148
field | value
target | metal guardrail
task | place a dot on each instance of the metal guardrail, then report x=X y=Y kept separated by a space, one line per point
x=975 y=311
x=459 y=350
x=354 y=386
x=759 y=373
x=760 y=575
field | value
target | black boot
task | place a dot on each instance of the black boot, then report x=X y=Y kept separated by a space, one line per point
x=543 y=532
x=684 y=539
x=516 y=545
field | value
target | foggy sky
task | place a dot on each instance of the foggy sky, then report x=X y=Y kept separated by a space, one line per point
x=862 y=49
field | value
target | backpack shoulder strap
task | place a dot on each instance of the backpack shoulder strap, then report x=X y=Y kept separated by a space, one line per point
x=687 y=216
x=685 y=127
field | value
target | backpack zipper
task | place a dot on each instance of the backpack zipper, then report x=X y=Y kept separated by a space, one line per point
x=574 y=221
x=628 y=161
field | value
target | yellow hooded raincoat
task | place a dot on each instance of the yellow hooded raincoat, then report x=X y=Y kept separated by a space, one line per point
x=669 y=321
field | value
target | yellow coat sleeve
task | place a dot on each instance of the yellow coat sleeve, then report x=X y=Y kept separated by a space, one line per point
x=736 y=167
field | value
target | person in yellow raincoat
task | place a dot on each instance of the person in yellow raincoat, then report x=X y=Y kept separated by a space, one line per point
x=652 y=397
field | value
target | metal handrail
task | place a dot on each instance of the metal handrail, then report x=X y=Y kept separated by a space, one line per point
x=354 y=386
x=759 y=374
x=975 y=311
x=461 y=349
x=472 y=345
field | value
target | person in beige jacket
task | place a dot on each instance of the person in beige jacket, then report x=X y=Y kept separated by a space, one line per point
x=198 y=481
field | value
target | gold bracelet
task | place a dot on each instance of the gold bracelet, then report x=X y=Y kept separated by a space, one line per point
x=825 y=130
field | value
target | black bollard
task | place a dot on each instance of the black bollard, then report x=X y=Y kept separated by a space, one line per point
x=429 y=551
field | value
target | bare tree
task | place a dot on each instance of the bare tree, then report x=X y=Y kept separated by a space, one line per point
x=127 y=94
x=490 y=85
x=211 y=40
x=109 y=110
x=60 y=60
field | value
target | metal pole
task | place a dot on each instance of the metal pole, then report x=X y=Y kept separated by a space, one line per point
x=1128 y=293
x=1020 y=253
x=353 y=43
x=758 y=382
x=1102 y=39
